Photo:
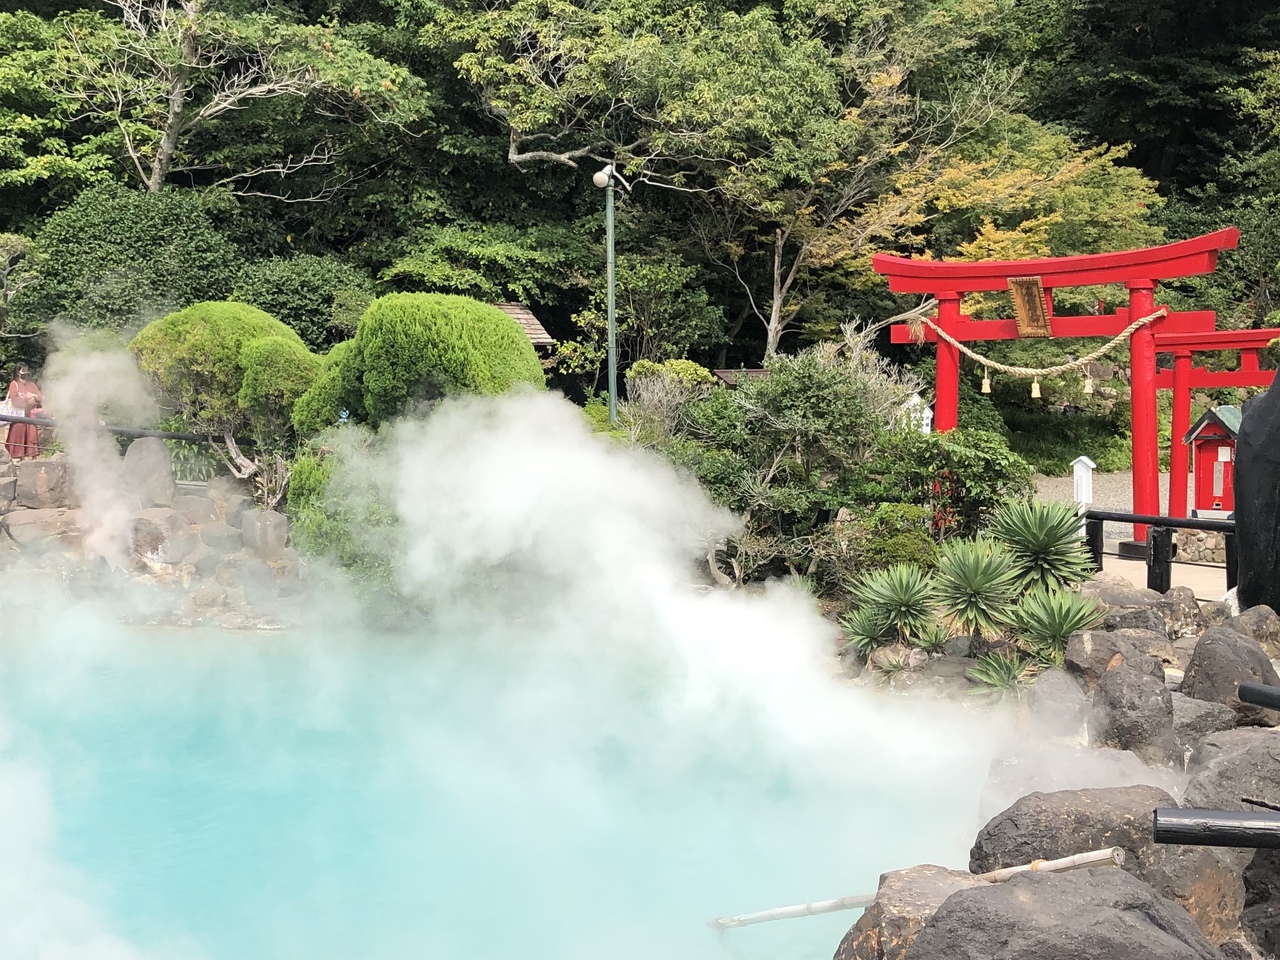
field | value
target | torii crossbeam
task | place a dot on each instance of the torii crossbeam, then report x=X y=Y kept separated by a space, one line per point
x=1138 y=270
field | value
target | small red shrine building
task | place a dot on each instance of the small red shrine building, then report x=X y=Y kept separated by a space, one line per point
x=1213 y=450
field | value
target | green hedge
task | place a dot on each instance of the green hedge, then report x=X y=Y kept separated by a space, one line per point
x=226 y=366
x=116 y=254
x=321 y=298
x=415 y=346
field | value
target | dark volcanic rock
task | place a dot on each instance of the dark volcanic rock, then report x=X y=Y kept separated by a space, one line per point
x=1180 y=611
x=905 y=900
x=1193 y=719
x=44 y=484
x=1119 y=592
x=197 y=510
x=1135 y=618
x=1058 y=703
x=1228 y=766
x=1098 y=914
x=162 y=535
x=266 y=533
x=1052 y=825
x=1262 y=624
x=148 y=470
x=1091 y=653
x=1148 y=642
x=1215 y=613
x=1262 y=900
x=1133 y=711
x=1223 y=659
x=1257 y=495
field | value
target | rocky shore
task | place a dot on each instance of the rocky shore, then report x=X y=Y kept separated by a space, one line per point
x=209 y=555
x=1157 y=680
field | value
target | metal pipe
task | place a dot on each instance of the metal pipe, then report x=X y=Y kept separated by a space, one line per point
x=1178 y=523
x=1217 y=828
x=124 y=431
x=1260 y=695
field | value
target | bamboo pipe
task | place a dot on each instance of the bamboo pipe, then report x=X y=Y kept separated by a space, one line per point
x=1111 y=855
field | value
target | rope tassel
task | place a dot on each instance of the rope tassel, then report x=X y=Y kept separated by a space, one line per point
x=1035 y=389
x=986 y=380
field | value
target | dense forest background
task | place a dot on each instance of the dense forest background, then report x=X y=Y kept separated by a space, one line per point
x=305 y=156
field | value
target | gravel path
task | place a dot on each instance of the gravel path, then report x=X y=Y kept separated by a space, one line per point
x=1111 y=491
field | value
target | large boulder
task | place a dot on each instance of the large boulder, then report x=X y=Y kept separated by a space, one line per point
x=1133 y=711
x=1135 y=618
x=1048 y=826
x=234 y=508
x=266 y=533
x=7 y=467
x=1181 y=613
x=905 y=900
x=197 y=510
x=45 y=484
x=221 y=537
x=1223 y=659
x=148 y=470
x=1261 y=918
x=1058 y=704
x=1229 y=766
x=1215 y=613
x=39 y=529
x=1193 y=719
x=162 y=535
x=1114 y=591
x=1257 y=501
x=1150 y=643
x=1261 y=624
x=1091 y=653
x=1098 y=914
x=8 y=491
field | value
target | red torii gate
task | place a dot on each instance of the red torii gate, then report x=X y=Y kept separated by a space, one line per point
x=1184 y=378
x=1138 y=270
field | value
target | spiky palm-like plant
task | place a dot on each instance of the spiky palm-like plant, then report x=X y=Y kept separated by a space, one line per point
x=976 y=584
x=866 y=630
x=1045 y=543
x=932 y=637
x=999 y=676
x=1046 y=618
x=901 y=595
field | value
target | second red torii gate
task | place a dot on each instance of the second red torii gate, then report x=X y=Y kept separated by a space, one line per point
x=1138 y=270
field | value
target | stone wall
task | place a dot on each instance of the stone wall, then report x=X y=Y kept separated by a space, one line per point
x=1201 y=546
x=222 y=553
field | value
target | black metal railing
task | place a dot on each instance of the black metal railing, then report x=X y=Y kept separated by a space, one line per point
x=1255 y=829
x=1161 y=549
x=126 y=431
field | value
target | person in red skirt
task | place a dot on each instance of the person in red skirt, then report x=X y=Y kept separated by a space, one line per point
x=25 y=399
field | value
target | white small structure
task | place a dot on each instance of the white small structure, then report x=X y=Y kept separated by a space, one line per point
x=918 y=414
x=1082 y=470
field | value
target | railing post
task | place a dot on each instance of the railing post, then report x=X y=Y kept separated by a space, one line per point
x=1093 y=537
x=1229 y=548
x=1160 y=559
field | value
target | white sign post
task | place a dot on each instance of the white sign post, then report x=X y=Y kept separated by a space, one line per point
x=1082 y=471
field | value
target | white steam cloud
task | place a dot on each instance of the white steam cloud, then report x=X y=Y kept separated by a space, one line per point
x=577 y=753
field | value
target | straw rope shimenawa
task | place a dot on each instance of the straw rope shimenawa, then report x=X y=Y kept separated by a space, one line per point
x=917 y=323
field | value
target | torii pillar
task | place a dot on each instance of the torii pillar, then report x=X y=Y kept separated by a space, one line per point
x=1138 y=270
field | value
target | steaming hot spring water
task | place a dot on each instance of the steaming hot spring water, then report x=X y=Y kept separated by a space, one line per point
x=573 y=754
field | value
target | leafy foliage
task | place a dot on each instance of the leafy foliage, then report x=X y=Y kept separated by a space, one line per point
x=227 y=367
x=322 y=405
x=1045 y=542
x=866 y=628
x=321 y=298
x=1002 y=675
x=117 y=256
x=411 y=347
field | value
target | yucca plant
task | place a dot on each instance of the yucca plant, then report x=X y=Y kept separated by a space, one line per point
x=1046 y=618
x=901 y=595
x=866 y=630
x=1001 y=675
x=1045 y=543
x=976 y=584
x=892 y=667
x=932 y=637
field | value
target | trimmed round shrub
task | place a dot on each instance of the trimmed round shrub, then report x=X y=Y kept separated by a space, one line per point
x=226 y=365
x=416 y=346
x=322 y=405
x=117 y=255
x=321 y=298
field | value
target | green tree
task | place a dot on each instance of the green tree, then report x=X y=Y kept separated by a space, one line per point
x=411 y=347
x=117 y=255
x=321 y=298
x=230 y=369
x=663 y=313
